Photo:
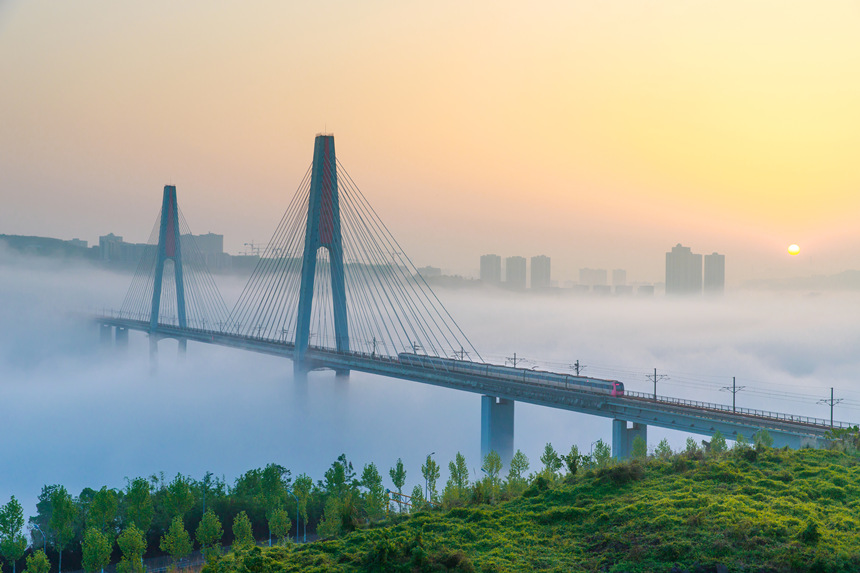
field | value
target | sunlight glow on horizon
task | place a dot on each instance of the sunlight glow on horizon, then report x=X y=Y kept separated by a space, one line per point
x=588 y=133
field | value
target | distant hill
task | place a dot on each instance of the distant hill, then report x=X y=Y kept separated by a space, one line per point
x=743 y=510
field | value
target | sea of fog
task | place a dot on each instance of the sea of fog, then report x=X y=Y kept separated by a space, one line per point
x=79 y=414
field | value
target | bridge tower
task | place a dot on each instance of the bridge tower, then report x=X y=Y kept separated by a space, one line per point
x=168 y=248
x=323 y=231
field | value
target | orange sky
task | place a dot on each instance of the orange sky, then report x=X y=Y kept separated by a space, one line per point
x=600 y=134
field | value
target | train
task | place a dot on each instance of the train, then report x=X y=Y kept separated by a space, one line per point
x=597 y=385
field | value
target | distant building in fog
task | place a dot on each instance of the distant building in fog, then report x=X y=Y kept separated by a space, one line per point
x=592 y=277
x=683 y=271
x=645 y=290
x=715 y=273
x=540 y=272
x=429 y=272
x=619 y=277
x=491 y=269
x=515 y=272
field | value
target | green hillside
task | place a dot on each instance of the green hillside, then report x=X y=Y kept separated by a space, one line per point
x=743 y=510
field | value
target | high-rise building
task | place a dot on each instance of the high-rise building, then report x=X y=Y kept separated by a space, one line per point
x=592 y=277
x=715 y=273
x=515 y=272
x=491 y=269
x=683 y=271
x=429 y=272
x=619 y=277
x=540 y=272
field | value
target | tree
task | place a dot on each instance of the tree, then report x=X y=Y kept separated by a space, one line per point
x=102 y=510
x=417 y=498
x=37 y=562
x=692 y=447
x=572 y=460
x=280 y=524
x=132 y=543
x=663 y=450
x=176 y=542
x=762 y=439
x=602 y=454
x=398 y=478
x=741 y=443
x=274 y=480
x=458 y=480
x=13 y=544
x=718 y=443
x=640 y=448
x=137 y=503
x=179 y=498
x=331 y=523
x=550 y=460
x=62 y=520
x=517 y=472
x=302 y=489
x=96 y=550
x=209 y=533
x=243 y=535
x=374 y=499
x=430 y=471
x=492 y=466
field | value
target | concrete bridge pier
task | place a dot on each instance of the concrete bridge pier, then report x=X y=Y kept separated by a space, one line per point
x=105 y=334
x=121 y=338
x=153 y=354
x=622 y=438
x=183 y=347
x=497 y=428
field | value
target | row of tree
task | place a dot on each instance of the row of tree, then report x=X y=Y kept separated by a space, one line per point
x=153 y=516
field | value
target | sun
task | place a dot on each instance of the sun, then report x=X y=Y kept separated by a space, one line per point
x=793 y=249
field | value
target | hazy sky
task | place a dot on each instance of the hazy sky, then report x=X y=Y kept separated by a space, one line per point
x=599 y=134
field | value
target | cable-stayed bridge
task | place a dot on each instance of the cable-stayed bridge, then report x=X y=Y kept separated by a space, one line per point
x=334 y=290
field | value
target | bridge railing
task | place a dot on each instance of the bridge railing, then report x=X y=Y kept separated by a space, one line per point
x=779 y=416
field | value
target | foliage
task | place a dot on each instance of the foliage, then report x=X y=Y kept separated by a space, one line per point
x=516 y=480
x=663 y=450
x=13 y=544
x=279 y=523
x=62 y=521
x=97 y=548
x=302 y=489
x=430 y=471
x=762 y=439
x=692 y=447
x=209 y=534
x=551 y=461
x=176 y=542
x=37 y=562
x=132 y=543
x=458 y=482
x=374 y=498
x=242 y=532
x=102 y=510
x=398 y=478
x=718 y=443
x=639 y=451
x=602 y=454
x=138 y=504
x=783 y=511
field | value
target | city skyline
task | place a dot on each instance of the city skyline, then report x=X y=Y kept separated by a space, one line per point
x=602 y=132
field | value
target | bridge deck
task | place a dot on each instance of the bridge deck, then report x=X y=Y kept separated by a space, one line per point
x=673 y=413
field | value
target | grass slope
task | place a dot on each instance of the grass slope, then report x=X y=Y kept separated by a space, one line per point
x=746 y=510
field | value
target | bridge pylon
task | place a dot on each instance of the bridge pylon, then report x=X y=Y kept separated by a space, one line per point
x=169 y=247
x=323 y=231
